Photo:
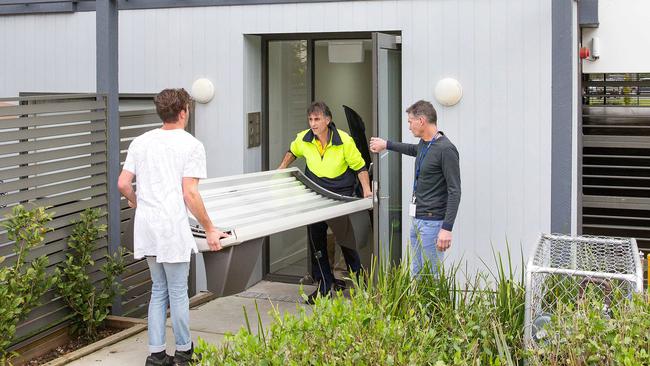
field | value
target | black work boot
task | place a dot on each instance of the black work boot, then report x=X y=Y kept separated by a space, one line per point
x=183 y=358
x=159 y=359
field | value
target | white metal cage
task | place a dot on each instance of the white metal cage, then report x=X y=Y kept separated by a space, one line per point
x=563 y=268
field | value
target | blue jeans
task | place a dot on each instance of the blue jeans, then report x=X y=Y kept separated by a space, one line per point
x=424 y=236
x=169 y=287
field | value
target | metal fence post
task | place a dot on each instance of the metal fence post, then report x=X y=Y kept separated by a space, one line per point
x=107 y=84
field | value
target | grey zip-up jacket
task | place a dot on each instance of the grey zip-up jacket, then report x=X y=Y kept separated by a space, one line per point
x=438 y=190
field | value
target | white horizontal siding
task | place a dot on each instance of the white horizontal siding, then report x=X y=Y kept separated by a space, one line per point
x=499 y=51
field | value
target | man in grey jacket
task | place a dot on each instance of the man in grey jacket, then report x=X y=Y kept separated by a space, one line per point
x=436 y=185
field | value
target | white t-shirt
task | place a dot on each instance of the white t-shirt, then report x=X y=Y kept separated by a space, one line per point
x=160 y=159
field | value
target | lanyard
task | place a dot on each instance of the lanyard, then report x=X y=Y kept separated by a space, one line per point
x=418 y=163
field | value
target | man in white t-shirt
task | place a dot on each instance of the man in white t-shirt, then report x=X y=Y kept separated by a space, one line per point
x=168 y=163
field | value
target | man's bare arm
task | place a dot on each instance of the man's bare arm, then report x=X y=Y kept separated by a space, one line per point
x=194 y=203
x=364 y=178
x=288 y=159
x=125 y=186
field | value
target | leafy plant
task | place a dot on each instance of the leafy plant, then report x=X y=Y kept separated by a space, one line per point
x=90 y=303
x=22 y=283
x=389 y=319
x=583 y=334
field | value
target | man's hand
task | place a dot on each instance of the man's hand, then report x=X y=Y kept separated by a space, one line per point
x=214 y=237
x=367 y=193
x=133 y=204
x=444 y=240
x=377 y=144
x=287 y=160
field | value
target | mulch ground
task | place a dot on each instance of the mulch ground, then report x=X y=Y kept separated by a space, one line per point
x=71 y=346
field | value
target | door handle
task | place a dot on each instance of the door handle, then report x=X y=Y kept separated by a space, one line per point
x=375 y=194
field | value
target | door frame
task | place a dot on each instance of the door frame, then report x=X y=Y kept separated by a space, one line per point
x=389 y=41
x=311 y=39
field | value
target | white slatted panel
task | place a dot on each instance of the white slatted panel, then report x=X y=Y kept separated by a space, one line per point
x=499 y=51
x=260 y=204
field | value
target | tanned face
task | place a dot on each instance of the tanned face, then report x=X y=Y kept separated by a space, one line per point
x=416 y=125
x=318 y=123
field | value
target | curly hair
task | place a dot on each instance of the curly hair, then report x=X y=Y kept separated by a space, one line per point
x=170 y=102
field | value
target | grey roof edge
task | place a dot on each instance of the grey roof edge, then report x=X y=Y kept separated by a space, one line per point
x=12 y=7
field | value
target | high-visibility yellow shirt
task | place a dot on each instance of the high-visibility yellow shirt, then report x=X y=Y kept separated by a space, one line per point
x=331 y=161
x=321 y=148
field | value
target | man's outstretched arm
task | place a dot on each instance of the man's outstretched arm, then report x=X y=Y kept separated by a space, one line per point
x=378 y=145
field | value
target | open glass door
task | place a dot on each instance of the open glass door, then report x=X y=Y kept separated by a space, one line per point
x=387 y=177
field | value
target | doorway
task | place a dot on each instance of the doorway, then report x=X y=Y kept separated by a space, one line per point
x=344 y=70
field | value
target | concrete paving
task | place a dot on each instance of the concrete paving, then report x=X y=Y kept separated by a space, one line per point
x=210 y=321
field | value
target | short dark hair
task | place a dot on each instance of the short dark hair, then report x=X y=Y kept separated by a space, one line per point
x=170 y=102
x=425 y=109
x=319 y=107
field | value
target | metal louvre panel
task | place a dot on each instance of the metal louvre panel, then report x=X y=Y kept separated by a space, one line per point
x=139 y=119
x=49 y=179
x=281 y=211
x=36 y=157
x=55 y=202
x=616 y=157
x=249 y=192
x=52 y=190
x=52 y=143
x=52 y=108
x=68 y=129
x=256 y=205
x=52 y=119
x=25 y=171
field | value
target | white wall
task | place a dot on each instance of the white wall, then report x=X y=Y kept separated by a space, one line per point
x=339 y=84
x=624 y=37
x=499 y=50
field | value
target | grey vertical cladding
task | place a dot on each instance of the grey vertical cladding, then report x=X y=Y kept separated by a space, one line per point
x=562 y=111
x=107 y=84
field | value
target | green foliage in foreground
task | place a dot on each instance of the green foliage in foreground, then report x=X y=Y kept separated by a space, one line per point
x=588 y=333
x=391 y=319
x=23 y=282
x=90 y=302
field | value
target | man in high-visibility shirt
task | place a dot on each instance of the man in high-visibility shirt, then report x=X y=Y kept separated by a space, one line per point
x=334 y=163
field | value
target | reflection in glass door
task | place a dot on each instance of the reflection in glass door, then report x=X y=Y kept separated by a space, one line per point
x=289 y=96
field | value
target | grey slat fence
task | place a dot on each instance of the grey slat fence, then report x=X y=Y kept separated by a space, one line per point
x=53 y=153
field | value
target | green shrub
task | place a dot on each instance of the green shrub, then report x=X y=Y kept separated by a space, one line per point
x=22 y=283
x=589 y=333
x=389 y=319
x=90 y=303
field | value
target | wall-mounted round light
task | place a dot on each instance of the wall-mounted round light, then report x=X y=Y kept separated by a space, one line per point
x=448 y=92
x=202 y=90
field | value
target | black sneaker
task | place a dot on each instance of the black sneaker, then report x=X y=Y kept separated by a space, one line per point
x=159 y=359
x=311 y=299
x=183 y=358
x=340 y=284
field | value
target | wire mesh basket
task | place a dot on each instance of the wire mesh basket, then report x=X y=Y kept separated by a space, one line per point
x=563 y=269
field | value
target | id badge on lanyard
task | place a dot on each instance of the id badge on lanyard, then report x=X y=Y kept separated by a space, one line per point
x=413 y=205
